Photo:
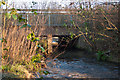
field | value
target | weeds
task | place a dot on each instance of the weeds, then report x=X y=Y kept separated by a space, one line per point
x=101 y=56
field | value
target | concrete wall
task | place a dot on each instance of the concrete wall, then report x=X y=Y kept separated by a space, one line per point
x=107 y=45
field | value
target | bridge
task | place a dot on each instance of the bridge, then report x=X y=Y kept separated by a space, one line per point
x=55 y=23
x=50 y=24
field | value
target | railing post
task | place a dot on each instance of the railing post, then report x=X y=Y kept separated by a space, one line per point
x=27 y=18
x=49 y=20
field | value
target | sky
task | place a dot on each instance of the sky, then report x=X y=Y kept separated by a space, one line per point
x=62 y=2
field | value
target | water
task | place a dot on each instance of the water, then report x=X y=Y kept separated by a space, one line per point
x=82 y=67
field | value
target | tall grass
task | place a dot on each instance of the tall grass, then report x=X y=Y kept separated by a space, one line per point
x=17 y=50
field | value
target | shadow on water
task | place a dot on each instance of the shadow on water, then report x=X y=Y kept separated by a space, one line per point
x=81 y=64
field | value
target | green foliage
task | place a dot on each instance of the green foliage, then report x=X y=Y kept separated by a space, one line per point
x=18 y=9
x=21 y=19
x=85 y=23
x=80 y=7
x=90 y=37
x=29 y=36
x=37 y=39
x=42 y=49
x=13 y=13
x=8 y=15
x=32 y=37
x=14 y=16
x=4 y=57
x=21 y=67
x=72 y=35
x=65 y=24
x=73 y=23
x=28 y=25
x=3 y=40
x=34 y=11
x=2 y=2
x=25 y=25
x=5 y=67
x=5 y=49
x=46 y=72
x=37 y=58
x=38 y=46
x=101 y=56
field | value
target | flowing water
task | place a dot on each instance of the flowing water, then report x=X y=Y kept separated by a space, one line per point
x=78 y=64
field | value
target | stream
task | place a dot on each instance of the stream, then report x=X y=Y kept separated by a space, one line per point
x=79 y=64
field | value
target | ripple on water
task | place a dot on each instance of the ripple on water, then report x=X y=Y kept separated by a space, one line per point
x=80 y=68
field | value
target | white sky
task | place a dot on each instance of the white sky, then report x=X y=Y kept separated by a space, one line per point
x=62 y=0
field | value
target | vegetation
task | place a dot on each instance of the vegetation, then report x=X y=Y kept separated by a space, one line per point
x=24 y=50
x=102 y=56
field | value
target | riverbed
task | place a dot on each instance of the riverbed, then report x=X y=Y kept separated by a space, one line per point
x=79 y=64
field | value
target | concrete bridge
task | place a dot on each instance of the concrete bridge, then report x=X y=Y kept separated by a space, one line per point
x=56 y=23
x=51 y=25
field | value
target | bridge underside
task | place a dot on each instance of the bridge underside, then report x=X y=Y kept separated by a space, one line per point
x=57 y=31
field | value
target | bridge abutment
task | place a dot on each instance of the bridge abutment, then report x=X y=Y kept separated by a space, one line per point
x=49 y=37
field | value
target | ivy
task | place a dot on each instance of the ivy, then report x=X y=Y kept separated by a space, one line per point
x=14 y=16
x=8 y=15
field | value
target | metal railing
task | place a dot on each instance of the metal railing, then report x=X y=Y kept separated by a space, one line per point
x=49 y=19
